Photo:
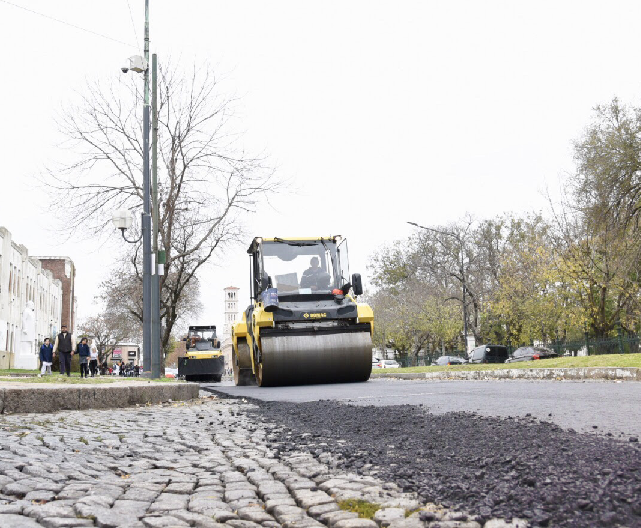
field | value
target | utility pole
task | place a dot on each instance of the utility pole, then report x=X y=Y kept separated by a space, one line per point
x=464 y=294
x=146 y=217
x=155 y=319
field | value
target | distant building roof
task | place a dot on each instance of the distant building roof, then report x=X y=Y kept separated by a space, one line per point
x=232 y=288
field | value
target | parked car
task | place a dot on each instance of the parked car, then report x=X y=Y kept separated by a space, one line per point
x=171 y=372
x=376 y=363
x=449 y=360
x=389 y=363
x=530 y=353
x=489 y=354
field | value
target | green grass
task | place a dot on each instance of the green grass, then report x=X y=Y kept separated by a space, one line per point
x=605 y=360
x=365 y=510
x=8 y=372
x=75 y=379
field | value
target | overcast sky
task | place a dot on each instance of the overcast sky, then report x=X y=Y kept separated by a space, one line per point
x=377 y=112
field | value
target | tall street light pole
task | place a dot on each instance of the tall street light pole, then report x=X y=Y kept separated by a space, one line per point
x=146 y=216
x=159 y=256
x=462 y=269
x=150 y=267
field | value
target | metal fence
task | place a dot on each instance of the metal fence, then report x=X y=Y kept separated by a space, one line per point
x=587 y=347
x=591 y=346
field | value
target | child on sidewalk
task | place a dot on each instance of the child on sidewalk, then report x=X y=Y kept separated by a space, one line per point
x=83 y=355
x=46 y=356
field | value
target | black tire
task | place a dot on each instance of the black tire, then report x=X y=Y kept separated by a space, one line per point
x=243 y=377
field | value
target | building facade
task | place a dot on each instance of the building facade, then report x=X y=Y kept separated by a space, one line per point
x=127 y=352
x=64 y=270
x=24 y=279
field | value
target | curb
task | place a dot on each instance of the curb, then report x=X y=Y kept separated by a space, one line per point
x=577 y=373
x=56 y=397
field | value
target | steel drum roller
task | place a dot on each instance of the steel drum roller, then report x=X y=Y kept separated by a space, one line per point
x=323 y=358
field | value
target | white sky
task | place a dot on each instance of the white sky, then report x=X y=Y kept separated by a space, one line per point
x=378 y=112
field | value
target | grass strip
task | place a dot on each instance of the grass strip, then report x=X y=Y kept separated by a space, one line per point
x=605 y=360
x=75 y=379
x=364 y=509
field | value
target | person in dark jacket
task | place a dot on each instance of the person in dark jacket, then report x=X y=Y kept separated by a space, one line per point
x=83 y=353
x=46 y=356
x=65 y=343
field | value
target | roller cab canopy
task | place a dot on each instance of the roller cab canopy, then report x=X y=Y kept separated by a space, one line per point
x=302 y=268
x=202 y=338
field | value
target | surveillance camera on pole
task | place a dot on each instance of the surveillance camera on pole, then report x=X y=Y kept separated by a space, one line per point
x=137 y=64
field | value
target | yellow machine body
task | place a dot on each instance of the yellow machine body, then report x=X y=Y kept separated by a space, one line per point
x=203 y=359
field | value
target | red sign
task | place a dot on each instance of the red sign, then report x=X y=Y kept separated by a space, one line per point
x=117 y=353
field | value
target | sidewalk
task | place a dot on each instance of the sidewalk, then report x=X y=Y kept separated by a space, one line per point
x=203 y=464
x=19 y=397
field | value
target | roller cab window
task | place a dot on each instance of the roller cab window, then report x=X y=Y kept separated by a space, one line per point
x=300 y=267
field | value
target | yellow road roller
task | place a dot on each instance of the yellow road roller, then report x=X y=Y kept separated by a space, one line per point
x=204 y=360
x=303 y=325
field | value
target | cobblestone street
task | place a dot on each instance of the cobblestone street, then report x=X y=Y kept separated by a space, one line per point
x=196 y=464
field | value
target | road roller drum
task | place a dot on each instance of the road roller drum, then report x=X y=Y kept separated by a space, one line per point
x=308 y=359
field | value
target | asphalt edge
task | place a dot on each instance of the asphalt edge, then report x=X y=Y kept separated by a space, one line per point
x=43 y=399
x=559 y=374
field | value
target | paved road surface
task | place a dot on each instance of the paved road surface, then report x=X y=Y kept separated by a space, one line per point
x=613 y=407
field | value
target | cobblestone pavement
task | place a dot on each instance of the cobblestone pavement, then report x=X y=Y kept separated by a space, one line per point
x=203 y=464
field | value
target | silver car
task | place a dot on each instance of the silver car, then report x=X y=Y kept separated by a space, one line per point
x=389 y=363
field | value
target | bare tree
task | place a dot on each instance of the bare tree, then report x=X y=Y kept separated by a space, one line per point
x=122 y=291
x=206 y=179
x=106 y=330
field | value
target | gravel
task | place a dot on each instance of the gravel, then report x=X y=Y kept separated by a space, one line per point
x=488 y=467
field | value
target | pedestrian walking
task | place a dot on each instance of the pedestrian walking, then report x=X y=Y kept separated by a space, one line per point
x=84 y=353
x=64 y=344
x=93 y=359
x=46 y=356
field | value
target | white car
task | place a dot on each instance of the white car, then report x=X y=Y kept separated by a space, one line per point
x=376 y=363
x=388 y=363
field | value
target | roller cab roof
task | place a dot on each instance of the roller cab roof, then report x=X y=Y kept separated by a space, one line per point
x=257 y=240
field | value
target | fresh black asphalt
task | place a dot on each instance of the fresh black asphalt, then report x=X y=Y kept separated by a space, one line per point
x=613 y=407
x=512 y=464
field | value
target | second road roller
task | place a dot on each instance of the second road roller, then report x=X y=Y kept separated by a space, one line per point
x=203 y=360
x=303 y=325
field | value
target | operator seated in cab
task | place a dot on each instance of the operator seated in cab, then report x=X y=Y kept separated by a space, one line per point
x=314 y=277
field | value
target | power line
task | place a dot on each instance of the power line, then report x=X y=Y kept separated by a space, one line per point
x=67 y=23
x=131 y=17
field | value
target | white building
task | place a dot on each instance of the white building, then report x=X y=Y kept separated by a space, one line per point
x=231 y=316
x=231 y=309
x=23 y=279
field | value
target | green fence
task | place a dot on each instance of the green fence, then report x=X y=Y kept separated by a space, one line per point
x=588 y=346
x=594 y=347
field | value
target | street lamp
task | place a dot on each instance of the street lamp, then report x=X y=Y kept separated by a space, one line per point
x=123 y=220
x=462 y=268
x=140 y=64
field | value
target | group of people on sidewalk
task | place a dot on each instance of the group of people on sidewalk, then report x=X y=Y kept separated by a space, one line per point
x=65 y=345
